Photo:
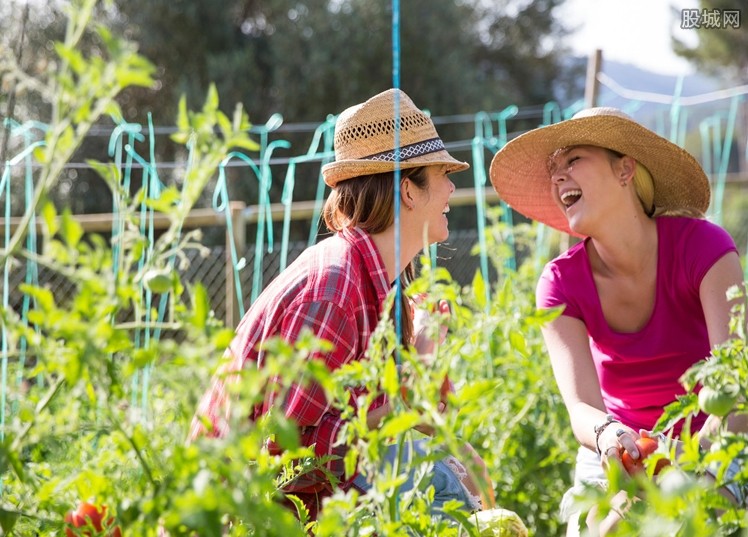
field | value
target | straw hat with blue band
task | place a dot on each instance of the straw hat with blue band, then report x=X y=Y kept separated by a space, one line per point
x=519 y=171
x=365 y=140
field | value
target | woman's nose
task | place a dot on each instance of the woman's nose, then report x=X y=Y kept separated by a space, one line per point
x=558 y=176
x=451 y=187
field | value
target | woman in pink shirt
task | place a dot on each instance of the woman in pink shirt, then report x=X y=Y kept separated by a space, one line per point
x=644 y=292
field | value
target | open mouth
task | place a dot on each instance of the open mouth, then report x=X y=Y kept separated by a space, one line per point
x=570 y=197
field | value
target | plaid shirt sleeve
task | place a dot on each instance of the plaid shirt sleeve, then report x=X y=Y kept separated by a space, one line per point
x=307 y=405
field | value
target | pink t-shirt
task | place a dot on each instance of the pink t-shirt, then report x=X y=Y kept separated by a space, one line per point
x=639 y=371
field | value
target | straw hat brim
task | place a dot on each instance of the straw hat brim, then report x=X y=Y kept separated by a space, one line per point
x=519 y=171
x=337 y=171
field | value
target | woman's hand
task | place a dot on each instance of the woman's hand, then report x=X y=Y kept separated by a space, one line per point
x=614 y=440
x=423 y=338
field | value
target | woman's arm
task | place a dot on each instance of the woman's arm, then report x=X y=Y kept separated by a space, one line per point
x=721 y=276
x=569 y=349
x=568 y=346
x=724 y=274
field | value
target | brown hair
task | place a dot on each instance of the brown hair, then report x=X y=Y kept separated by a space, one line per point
x=368 y=202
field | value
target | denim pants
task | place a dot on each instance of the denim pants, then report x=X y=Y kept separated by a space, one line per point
x=445 y=476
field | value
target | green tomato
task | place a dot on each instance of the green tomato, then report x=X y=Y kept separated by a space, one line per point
x=158 y=280
x=718 y=402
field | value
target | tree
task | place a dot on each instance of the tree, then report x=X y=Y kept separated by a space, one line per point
x=720 y=49
x=306 y=59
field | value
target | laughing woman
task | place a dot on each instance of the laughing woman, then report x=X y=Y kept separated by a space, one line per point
x=337 y=287
x=644 y=292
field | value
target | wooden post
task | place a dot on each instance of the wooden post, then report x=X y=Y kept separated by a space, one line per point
x=592 y=85
x=239 y=239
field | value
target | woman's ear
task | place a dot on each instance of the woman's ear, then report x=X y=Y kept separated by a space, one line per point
x=406 y=193
x=627 y=167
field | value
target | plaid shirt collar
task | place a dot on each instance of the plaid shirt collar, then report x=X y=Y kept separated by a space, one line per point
x=362 y=242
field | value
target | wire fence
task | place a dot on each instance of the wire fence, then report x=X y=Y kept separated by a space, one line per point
x=713 y=127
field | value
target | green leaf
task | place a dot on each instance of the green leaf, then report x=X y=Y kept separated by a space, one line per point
x=8 y=519
x=211 y=101
x=200 y=306
x=224 y=124
x=243 y=142
x=44 y=297
x=183 y=118
x=400 y=424
x=479 y=290
x=73 y=57
x=70 y=229
x=40 y=154
x=107 y=171
x=517 y=341
x=301 y=510
x=390 y=381
x=9 y=460
x=222 y=338
x=286 y=434
x=168 y=199
x=65 y=141
x=350 y=460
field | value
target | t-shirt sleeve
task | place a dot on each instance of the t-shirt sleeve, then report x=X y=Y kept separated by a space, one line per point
x=706 y=244
x=551 y=292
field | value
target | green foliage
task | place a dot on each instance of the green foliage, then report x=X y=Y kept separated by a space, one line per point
x=112 y=378
x=81 y=88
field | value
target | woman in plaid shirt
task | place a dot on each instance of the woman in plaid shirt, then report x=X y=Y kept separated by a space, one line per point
x=337 y=287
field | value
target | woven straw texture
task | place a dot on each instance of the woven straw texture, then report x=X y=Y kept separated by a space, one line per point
x=520 y=175
x=365 y=139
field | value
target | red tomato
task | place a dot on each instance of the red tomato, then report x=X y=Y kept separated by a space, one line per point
x=646 y=447
x=90 y=515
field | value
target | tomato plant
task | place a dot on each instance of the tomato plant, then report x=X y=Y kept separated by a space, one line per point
x=91 y=516
x=718 y=402
x=646 y=447
x=158 y=280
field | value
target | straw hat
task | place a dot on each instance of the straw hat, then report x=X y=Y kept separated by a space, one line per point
x=365 y=140
x=519 y=171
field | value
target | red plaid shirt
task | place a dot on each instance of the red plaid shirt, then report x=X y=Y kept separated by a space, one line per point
x=336 y=288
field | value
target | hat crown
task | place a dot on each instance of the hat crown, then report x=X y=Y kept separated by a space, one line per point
x=602 y=111
x=367 y=129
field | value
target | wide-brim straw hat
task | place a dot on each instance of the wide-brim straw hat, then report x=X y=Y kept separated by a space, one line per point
x=519 y=171
x=365 y=139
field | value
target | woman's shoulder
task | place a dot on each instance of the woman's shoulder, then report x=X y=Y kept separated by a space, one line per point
x=687 y=230
x=571 y=258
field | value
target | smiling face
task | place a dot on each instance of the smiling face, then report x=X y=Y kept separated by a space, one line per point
x=431 y=204
x=586 y=185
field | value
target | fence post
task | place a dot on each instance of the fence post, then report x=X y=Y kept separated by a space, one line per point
x=592 y=85
x=239 y=239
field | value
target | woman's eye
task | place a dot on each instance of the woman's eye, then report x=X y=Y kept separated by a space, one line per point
x=572 y=160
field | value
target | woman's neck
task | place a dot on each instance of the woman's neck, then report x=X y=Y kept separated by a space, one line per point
x=625 y=251
x=385 y=243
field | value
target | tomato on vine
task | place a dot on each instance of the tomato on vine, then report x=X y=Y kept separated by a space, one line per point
x=91 y=516
x=718 y=402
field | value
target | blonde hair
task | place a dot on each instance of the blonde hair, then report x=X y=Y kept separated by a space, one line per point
x=645 y=191
x=644 y=187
